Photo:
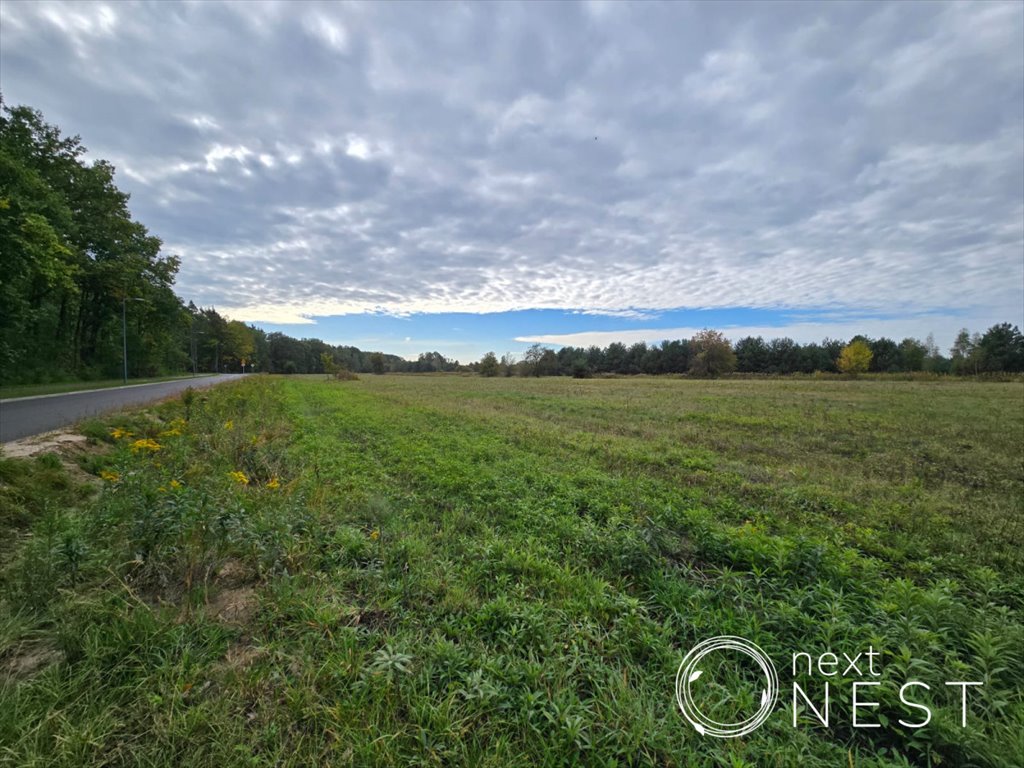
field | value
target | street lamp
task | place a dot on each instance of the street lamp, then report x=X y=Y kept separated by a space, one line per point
x=193 y=348
x=124 y=333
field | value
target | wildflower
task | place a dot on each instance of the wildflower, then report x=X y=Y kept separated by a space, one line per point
x=117 y=433
x=376 y=534
x=161 y=489
x=239 y=477
x=274 y=484
x=146 y=445
x=229 y=424
x=173 y=432
x=110 y=477
x=175 y=484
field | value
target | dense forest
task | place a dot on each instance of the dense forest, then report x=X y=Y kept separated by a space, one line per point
x=82 y=281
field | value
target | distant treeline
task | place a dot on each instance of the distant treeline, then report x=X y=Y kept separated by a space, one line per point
x=231 y=346
x=81 y=280
x=1000 y=349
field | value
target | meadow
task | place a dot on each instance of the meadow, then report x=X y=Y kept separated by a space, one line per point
x=453 y=570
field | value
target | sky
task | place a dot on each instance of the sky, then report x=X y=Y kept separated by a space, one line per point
x=473 y=177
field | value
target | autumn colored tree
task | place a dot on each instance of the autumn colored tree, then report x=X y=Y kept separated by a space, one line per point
x=711 y=354
x=855 y=358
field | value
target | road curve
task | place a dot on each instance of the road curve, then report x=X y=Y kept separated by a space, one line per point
x=24 y=416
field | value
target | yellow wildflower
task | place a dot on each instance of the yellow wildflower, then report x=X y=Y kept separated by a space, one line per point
x=239 y=477
x=274 y=484
x=146 y=445
x=229 y=424
x=117 y=433
x=175 y=484
x=375 y=535
x=110 y=477
x=161 y=489
x=170 y=433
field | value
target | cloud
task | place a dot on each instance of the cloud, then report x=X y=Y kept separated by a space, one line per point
x=322 y=159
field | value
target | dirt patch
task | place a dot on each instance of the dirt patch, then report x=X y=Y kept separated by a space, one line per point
x=68 y=446
x=234 y=573
x=29 y=660
x=235 y=606
x=234 y=597
x=372 y=619
x=51 y=442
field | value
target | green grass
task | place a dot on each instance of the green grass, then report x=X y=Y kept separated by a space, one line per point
x=466 y=571
x=32 y=390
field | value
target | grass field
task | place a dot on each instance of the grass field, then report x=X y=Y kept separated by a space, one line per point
x=450 y=570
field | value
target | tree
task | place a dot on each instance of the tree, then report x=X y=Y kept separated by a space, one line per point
x=855 y=358
x=833 y=348
x=508 y=364
x=615 y=357
x=531 y=360
x=652 y=361
x=377 y=363
x=675 y=356
x=635 y=355
x=783 y=356
x=238 y=345
x=711 y=354
x=912 y=355
x=885 y=355
x=71 y=254
x=489 y=365
x=327 y=363
x=815 y=357
x=964 y=355
x=1002 y=349
x=752 y=355
x=581 y=368
x=548 y=364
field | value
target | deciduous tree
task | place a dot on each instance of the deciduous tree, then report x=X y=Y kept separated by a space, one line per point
x=711 y=354
x=855 y=358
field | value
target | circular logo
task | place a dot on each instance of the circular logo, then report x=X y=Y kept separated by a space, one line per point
x=689 y=672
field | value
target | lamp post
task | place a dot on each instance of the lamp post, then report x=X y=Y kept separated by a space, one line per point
x=124 y=333
x=193 y=348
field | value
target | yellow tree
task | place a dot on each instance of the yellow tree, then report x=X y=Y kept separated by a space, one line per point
x=855 y=358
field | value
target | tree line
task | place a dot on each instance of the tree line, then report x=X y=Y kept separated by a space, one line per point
x=709 y=353
x=82 y=282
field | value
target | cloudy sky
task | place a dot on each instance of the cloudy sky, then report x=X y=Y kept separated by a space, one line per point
x=469 y=177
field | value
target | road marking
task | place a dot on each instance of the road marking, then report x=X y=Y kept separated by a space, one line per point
x=109 y=389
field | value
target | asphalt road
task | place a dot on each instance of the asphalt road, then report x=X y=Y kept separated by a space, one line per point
x=25 y=416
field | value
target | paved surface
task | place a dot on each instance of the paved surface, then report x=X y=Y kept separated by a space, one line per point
x=24 y=416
